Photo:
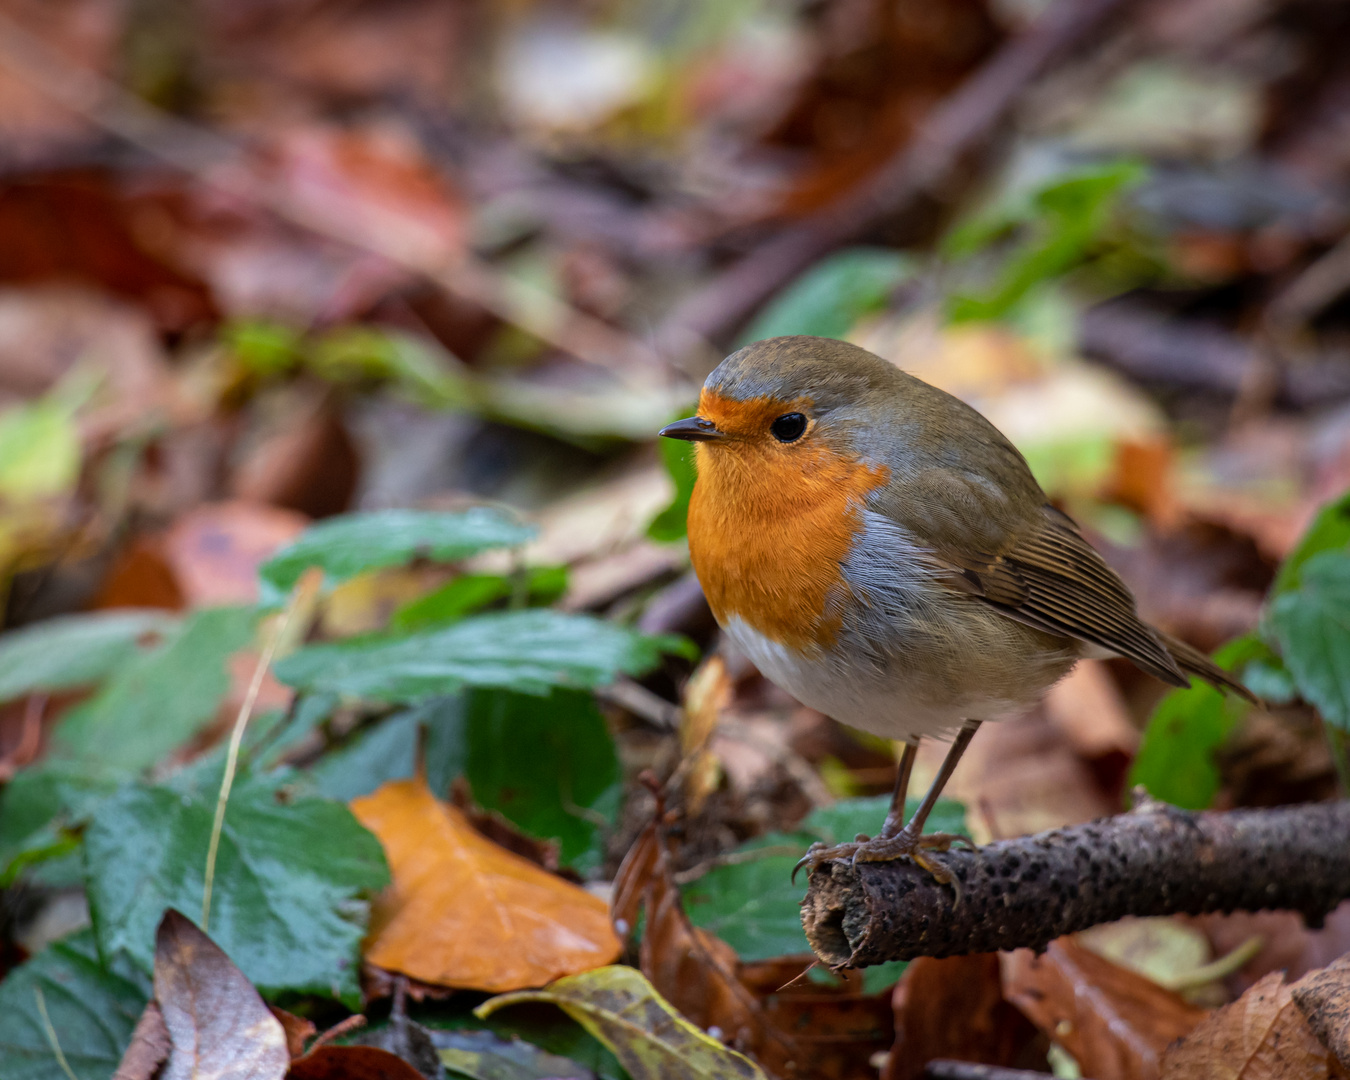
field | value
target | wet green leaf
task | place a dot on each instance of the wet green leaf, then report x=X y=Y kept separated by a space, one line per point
x=1311 y=623
x=346 y=546
x=40 y=809
x=1175 y=762
x=755 y=907
x=528 y=651
x=540 y=585
x=1329 y=531
x=92 y=1009
x=567 y=788
x=651 y=1040
x=74 y=650
x=158 y=700
x=834 y=294
x=292 y=877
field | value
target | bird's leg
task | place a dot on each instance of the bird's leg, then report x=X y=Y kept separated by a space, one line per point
x=895 y=843
x=896 y=814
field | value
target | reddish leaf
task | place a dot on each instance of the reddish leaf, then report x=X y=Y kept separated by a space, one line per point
x=351 y=1063
x=218 y=1026
x=298 y=1030
x=1114 y=1022
x=214 y=550
x=954 y=1008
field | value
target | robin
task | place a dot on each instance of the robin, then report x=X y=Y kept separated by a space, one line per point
x=881 y=552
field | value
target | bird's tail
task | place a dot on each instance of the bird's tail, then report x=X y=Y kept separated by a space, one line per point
x=1192 y=661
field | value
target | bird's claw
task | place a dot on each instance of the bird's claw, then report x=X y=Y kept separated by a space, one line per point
x=888 y=848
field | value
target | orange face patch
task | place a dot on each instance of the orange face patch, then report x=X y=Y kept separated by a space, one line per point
x=770 y=523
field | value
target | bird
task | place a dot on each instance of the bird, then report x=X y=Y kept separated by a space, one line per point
x=879 y=550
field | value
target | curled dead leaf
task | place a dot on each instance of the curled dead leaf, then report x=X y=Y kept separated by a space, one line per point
x=219 y=1028
x=464 y=912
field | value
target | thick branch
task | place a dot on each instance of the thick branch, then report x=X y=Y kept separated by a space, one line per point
x=1026 y=892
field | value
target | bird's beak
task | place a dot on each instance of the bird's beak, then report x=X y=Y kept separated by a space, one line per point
x=691 y=429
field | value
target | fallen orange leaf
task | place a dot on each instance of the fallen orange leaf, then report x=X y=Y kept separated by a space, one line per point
x=464 y=912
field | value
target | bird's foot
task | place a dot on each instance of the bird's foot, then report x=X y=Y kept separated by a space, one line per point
x=903 y=844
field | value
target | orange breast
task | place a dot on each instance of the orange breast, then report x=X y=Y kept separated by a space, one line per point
x=770 y=524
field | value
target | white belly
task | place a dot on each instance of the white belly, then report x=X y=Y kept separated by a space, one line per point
x=896 y=700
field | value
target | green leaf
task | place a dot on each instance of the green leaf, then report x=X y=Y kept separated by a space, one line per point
x=483 y=1055
x=651 y=1040
x=754 y=906
x=158 y=700
x=346 y=546
x=540 y=585
x=567 y=788
x=74 y=650
x=528 y=651
x=92 y=1009
x=388 y=751
x=1329 y=531
x=1312 y=625
x=1063 y=219
x=678 y=457
x=39 y=449
x=292 y=876
x=1175 y=762
x=40 y=809
x=544 y=1026
x=834 y=294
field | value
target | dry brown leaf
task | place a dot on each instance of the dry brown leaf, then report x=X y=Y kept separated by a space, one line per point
x=693 y=970
x=464 y=912
x=298 y=1030
x=1086 y=705
x=954 y=1008
x=219 y=1028
x=1261 y=1036
x=1324 y=999
x=1114 y=1022
x=351 y=1063
x=149 y=1046
x=707 y=694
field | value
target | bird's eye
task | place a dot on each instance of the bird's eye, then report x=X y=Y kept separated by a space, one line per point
x=788 y=427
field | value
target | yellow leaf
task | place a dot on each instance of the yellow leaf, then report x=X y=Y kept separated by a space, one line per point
x=465 y=912
x=651 y=1040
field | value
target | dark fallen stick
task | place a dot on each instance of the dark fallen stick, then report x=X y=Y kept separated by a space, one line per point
x=1024 y=893
x=962 y=124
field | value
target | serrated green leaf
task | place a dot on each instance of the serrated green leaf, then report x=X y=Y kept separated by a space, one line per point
x=92 y=1008
x=755 y=907
x=40 y=808
x=567 y=788
x=834 y=294
x=1329 y=531
x=74 y=650
x=158 y=700
x=346 y=546
x=289 y=901
x=652 y=1041
x=1175 y=762
x=540 y=585
x=527 y=651
x=1312 y=625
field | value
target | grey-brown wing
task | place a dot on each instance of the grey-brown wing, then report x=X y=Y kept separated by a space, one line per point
x=1047 y=576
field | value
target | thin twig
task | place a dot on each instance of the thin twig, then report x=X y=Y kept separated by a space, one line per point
x=302 y=597
x=51 y=1034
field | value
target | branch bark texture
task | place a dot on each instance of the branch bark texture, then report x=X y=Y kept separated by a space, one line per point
x=1024 y=893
